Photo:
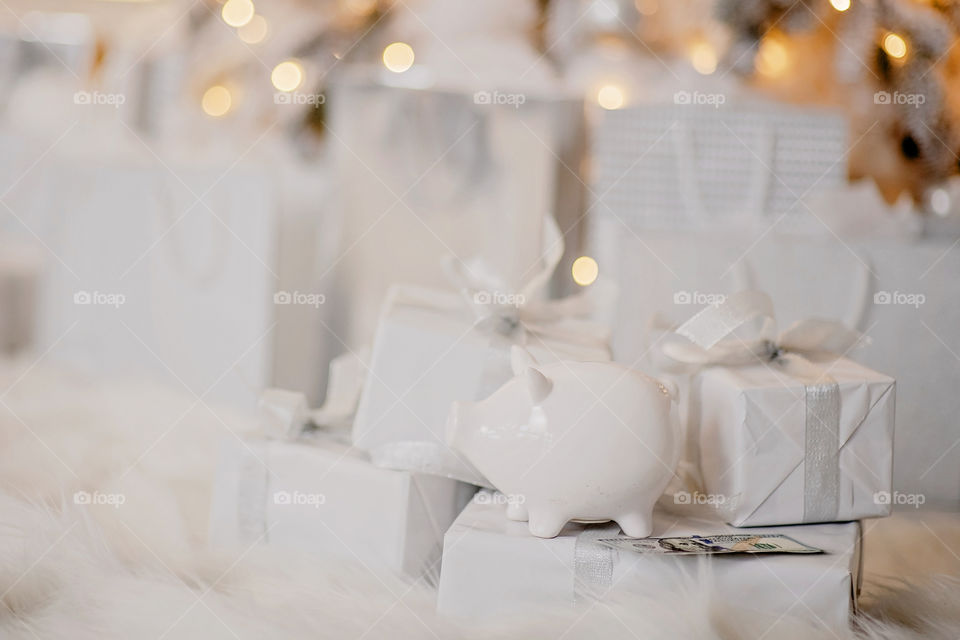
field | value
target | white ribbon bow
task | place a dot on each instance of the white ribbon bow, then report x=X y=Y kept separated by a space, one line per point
x=516 y=313
x=710 y=343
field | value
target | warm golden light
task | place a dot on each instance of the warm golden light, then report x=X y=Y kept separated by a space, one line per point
x=610 y=96
x=772 y=59
x=704 y=58
x=361 y=7
x=216 y=101
x=894 y=45
x=287 y=75
x=398 y=57
x=254 y=31
x=237 y=13
x=585 y=270
x=840 y=5
x=646 y=7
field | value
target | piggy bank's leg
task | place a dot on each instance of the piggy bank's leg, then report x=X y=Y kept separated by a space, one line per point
x=636 y=524
x=546 y=524
x=518 y=512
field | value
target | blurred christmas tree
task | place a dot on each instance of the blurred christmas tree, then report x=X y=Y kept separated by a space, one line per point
x=891 y=64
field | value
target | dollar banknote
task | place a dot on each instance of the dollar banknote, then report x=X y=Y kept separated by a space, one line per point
x=707 y=545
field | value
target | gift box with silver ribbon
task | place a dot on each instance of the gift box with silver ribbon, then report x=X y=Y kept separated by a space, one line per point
x=783 y=428
x=493 y=567
x=318 y=495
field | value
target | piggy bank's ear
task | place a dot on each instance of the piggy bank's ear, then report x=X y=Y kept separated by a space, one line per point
x=538 y=385
x=521 y=360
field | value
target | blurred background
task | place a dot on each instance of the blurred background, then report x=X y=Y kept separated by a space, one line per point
x=217 y=195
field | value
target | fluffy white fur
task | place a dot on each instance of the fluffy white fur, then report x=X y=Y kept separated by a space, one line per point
x=142 y=570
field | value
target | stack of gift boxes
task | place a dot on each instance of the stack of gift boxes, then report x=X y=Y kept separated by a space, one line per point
x=792 y=438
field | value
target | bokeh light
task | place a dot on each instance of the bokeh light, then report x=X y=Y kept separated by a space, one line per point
x=287 y=75
x=398 y=57
x=237 y=13
x=585 y=270
x=216 y=101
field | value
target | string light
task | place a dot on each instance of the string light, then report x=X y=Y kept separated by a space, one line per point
x=840 y=5
x=772 y=59
x=237 y=13
x=216 y=101
x=894 y=45
x=704 y=58
x=585 y=270
x=398 y=57
x=610 y=96
x=254 y=31
x=287 y=75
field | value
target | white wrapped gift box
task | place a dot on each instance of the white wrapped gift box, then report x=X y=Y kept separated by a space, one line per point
x=430 y=351
x=493 y=567
x=911 y=312
x=772 y=452
x=322 y=496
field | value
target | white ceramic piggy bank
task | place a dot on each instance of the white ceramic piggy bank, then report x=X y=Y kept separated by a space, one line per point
x=585 y=441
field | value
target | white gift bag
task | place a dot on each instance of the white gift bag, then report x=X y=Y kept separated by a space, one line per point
x=428 y=173
x=142 y=278
x=689 y=166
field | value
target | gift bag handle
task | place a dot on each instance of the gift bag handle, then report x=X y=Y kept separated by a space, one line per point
x=441 y=140
x=855 y=316
x=685 y=148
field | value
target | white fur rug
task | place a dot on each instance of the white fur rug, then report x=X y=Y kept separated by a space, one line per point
x=141 y=569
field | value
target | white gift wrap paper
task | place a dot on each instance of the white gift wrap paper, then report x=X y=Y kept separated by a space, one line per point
x=428 y=353
x=821 y=277
x=323 y=497
x=493 y=567
x=767 y=449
